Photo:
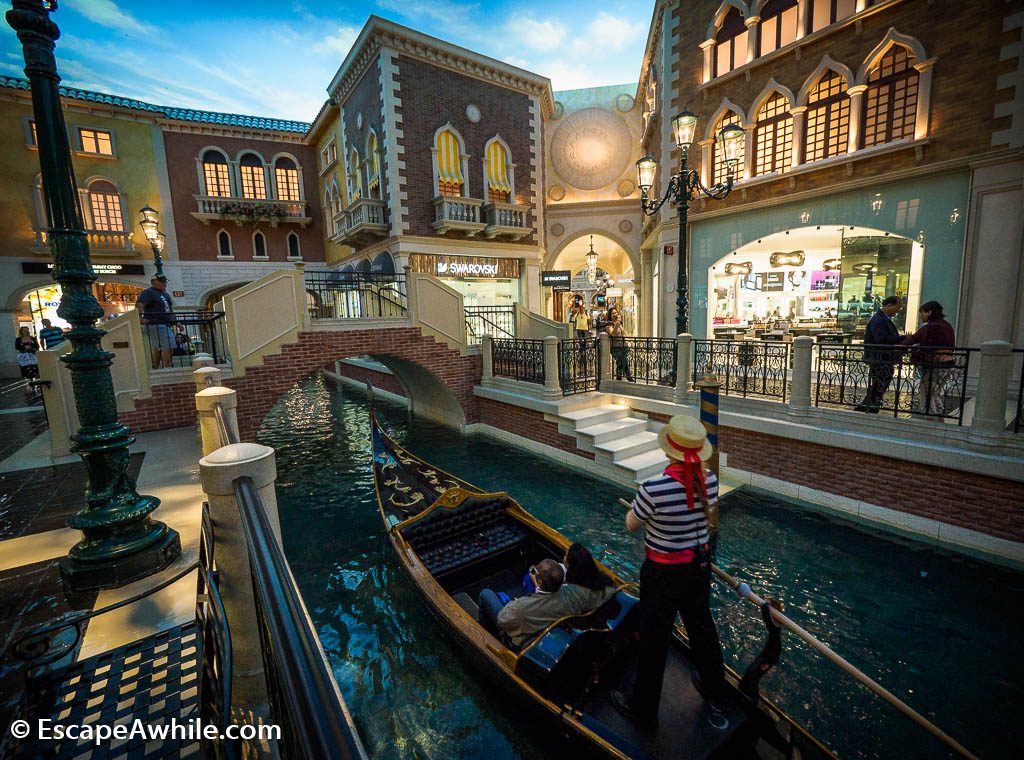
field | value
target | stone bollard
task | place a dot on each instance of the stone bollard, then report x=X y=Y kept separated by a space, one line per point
x=486 y=348
x=552 y=385
x=800 y=386
x=205 y=377
x=684 y=348
x=202 y=360
x=993 y=383
x=206 y=401
x=604 y=356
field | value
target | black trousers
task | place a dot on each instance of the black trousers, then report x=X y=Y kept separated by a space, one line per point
x=664 y=591
x=879 y=378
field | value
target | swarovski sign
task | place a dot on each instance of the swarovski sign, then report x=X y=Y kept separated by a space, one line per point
x=456 y=268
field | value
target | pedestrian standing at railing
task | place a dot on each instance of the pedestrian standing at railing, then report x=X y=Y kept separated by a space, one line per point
x=617 y=343
x=580 y=321
x=157 y=313
x=881 y=331
x=934 y=363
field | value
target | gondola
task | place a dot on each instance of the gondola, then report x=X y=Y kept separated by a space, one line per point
x=454 y=540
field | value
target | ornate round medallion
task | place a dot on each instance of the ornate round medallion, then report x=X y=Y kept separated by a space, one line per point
x=557 y=111
x=557 y=229
x=624 y=102
x=591 y=148
x=359 y=120
x=625 y=226
x=473 y=113
x=626 y=188
x=556 y=193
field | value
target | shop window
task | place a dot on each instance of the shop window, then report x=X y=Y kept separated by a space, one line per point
x=828 y=118
x=778 y=25
x=259 y=246
x=730 y=43
x=890 y=103
x=286 y=177
x=294 y=249
x=105 y=207
x=773 y=136
x=224 y=245
x=372 y=166
x=355 y=183
x=825 y=12
x=254 y=183
x=717 y=157
x=97 y=142
x=499 y=185
x=448 y=163
x=215 y=174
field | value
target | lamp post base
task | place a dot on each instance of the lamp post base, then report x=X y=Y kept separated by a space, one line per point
x=113 y=572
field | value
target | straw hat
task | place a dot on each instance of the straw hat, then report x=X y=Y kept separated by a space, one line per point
x=683 y=433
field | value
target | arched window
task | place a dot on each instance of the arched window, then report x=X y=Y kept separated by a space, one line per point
x=890 y=103
x=825 y=12
x=294 y=251
x=828 y=118
x=105 y=206
x=215 y=174
x=259 y=245
x=730 y=43
x=778 y=25
x=224 y=245
x=773 y=136
x=448 y=163
x=355 y=183
x=286 y=177
x=254 y=184
x=718 y=160
x=499 y=183
x=372 y=166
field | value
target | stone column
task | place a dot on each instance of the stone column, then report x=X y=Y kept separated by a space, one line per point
x=604 y=356
x=856 y=108
x=753 y=27
x=410 y=294
x=799 y=115
x=684 y=362
x=206 y=377
x=206 y=402
x=552 y=385
x=800 y=386
x=993 y=382
x=486 y=347
x=708 y=50
x=217 y=473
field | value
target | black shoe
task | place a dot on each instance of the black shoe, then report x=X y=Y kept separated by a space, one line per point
x=716 y=717
x=621 y=703
x=862 y=408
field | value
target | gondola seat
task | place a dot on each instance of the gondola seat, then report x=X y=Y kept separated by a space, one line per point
x=449 y=539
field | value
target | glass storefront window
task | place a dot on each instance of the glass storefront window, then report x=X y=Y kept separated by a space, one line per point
x=115 y=298
x=486 y=292
x=873 y=268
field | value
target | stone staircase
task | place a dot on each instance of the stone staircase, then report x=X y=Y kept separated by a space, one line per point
x=616 y=435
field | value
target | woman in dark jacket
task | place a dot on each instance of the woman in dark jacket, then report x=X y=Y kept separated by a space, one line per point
x=934 y=364
x=26 y=346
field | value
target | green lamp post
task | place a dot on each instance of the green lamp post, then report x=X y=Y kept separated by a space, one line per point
x=120 y=542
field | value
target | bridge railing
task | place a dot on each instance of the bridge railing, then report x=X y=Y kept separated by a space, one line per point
x=518 y=359
x=744 y=367
x=357 y=295
x=579 y=370
x=651 y=361
x=181 y=335
x=496 y=321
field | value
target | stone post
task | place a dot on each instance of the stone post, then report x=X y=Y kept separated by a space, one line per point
x=217 y=473
x=487 y=371
x=800 y=385
x=202 y=360
x=552 y=385
x=684 y=348
x=206 y=402
x=205 y=377
x=410 y=294
x=993 y=382
x=604 y=356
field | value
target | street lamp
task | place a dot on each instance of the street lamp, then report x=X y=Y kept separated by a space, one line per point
x=683 y=187
x=150 y=224
x=120 y=542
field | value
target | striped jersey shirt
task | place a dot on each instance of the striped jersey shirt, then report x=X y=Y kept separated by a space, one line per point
x=670 y=525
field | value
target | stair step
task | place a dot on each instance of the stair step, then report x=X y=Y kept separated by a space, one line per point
x=644 y=466
x=628 y=446
x=607 y=431
x=595 y=415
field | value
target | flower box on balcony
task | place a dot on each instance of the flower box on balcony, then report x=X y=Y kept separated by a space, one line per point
x=454 y=213
x=506 y=219
x=101 y=242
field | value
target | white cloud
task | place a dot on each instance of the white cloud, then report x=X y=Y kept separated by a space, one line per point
x=338 y=42
x=569 y=74
x=106 y=13
x=607 y=33
x=539 y=35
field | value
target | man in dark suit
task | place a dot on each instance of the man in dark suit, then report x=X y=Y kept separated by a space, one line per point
x=881 y=331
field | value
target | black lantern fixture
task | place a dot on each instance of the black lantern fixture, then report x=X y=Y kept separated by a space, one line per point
x=150 y=222
x=683 y=186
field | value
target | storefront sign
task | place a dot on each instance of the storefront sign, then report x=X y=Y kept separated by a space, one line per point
x=462 y=267
x=556 y=278
x=773 y=281
x=103 y=268
x=613 y=292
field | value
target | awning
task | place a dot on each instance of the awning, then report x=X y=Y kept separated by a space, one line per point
x=449 y=162
x=497 y=168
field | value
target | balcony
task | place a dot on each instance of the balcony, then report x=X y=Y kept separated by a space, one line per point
x=456 y=214
x=250 y=210
x=364 y=219
x=110 y=242
x=506 y=219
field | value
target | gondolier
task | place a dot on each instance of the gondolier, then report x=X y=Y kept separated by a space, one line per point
x=676 y=574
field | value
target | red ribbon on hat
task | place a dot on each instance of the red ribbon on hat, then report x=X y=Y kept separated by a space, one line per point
x=687 y=471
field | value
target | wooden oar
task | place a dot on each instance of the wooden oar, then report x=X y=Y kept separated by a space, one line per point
x=744 y=591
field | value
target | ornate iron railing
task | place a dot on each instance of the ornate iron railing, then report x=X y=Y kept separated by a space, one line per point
x=356 y=295
x=518 y=359
x=578 y=366
x=174 y=339
x=744 y=367
x=644 y=360
x=496 y=321
x=902 y=381
x=1018 y=420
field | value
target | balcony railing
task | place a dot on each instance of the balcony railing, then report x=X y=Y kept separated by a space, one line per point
x=496 y=321
x=508 y=219
x=250 y=210
x=579 y=370
x=100 y=241
x=354 y=295
x=454 y=213
x=365 y=217
x=183 y=334
x=518 y=359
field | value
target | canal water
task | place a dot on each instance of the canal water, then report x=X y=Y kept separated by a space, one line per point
x=943 y=632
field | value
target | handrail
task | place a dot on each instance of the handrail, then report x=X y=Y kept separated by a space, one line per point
x=744 y=591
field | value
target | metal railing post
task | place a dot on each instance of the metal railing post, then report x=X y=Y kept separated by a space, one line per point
x=487 y=369
x=207 y=402
x=993 y=384
x=552 y=384
x=800 y=388
x=684 y=352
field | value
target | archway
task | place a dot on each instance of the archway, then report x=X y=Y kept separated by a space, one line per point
x=828 y=278
x=614 y=285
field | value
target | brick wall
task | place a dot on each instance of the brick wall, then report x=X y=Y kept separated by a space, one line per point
x=528 y=424
x=384 y=381
x=432 y=96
